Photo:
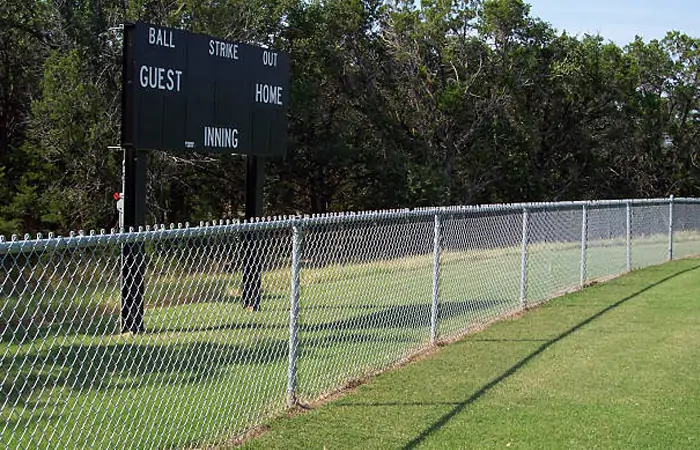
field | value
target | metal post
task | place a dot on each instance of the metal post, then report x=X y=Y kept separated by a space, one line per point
x=584 y=243
x=252 y=260
x=293 y=315
x=670 y=228
x=629 y=236
x=133 y=257
x=436 y=280
x=134 y=191
x=523 y=260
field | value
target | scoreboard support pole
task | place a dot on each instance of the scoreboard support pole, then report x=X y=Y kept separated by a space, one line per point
x=133 y=262
x=133 y=253
x=253 y=259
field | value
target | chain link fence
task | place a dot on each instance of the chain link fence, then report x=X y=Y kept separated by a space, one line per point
x=186 y=337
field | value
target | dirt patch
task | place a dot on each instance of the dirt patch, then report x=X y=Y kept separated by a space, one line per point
x=239 y=440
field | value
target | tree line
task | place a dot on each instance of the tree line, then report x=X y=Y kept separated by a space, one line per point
x=392 y=105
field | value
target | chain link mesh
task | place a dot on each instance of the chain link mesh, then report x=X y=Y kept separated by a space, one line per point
x=649 y=234
x=204 y=367
x=554 y=252
x=184 y=338
x=364 y=305
x=686 y=230
x=479 y=268
x=607 y=241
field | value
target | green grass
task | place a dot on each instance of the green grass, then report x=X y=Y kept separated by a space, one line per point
x=206 y=369
x=616 y=365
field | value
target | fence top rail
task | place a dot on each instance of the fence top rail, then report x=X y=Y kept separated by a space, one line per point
x=81 y=239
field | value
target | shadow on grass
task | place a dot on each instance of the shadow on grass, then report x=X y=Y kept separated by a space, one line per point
x=70 y=321
x=103 y=366
x=442 y=421
x=100 y=320
x=240 y=317
x=93 y=362
x=403 y=316
x=325 y=342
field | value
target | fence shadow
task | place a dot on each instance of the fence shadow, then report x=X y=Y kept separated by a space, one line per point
x=104 y=366
x=109 y=358
x=404 y=316
x=442 y=421
x=103 y=320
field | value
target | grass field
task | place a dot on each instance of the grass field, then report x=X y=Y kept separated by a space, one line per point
x=616 y=365
x=207 y=370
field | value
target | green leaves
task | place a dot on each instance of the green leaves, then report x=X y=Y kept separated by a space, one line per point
x=393 y=104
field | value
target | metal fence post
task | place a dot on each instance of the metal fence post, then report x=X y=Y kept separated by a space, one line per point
x=293 y=315
x=584 y=243
x=670 y=228
x=629 y=236
x=523 y=260
x=436 y=279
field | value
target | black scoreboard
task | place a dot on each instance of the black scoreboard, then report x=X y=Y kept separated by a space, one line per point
x=192 y=92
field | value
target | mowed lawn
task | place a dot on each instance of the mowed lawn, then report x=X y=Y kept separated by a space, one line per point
x=206 y=369
x=616 y=365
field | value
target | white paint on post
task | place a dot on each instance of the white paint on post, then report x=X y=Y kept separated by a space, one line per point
x=293 y=316
x=523 y=260
x=436 y=280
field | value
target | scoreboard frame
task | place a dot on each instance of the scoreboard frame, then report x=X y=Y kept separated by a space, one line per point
x=190 y=92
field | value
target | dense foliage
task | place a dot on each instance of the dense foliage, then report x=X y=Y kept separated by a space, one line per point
x=392 y=105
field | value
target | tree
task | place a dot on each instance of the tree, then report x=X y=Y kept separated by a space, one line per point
x=393 y=104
